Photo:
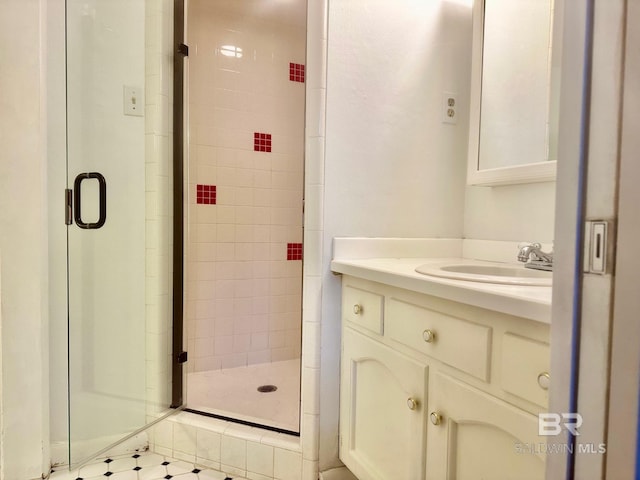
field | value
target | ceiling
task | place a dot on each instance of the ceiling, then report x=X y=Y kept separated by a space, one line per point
x=290 y=12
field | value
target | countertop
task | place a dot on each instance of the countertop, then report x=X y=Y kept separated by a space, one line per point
x=532 y=302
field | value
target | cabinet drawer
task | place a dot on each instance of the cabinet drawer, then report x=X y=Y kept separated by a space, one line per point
x=461 y=344
x=523 y=362
x=363 y=308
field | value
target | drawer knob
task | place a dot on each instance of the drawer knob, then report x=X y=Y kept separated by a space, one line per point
x=544 y=380
x=429 y=336
x=435 y=418
x=357 y=309
x=412 y=403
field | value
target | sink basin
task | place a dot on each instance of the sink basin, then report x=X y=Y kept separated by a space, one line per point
x=488 y=273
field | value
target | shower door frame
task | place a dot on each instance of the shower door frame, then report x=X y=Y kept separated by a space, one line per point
x=180 y=52
x=180 y=149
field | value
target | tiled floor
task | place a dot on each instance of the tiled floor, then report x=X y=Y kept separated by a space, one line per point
x=140 y=466
x=232 y=392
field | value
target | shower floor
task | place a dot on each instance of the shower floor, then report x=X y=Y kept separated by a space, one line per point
x=233 y=393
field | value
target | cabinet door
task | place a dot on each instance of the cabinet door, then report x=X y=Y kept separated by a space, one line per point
x=480 y=436
x=382 y=414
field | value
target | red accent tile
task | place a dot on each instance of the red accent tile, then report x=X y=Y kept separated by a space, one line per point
x=206 y=194
x=296 y=72
x=261 y=142
x=294 y=251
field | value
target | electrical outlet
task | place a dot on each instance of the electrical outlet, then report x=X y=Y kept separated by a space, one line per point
x=449 y=108
x=133 y=101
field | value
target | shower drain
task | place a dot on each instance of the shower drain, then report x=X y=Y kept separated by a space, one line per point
x=267 y=388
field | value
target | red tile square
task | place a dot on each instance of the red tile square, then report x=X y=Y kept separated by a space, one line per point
x=294 y=251
x=296 y=72
x=262 y=142
x=206 y=194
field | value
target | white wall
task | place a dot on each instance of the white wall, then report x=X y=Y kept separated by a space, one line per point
x=23 y=241
x=514 y=212
x=392 y=168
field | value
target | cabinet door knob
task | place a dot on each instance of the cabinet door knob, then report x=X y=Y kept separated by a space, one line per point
x=544 y=380
x=412 y=403
x=357 y=309
x=435 y=418
x=429 y=336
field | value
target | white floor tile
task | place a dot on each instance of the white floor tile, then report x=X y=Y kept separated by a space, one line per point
x=150 y=459
x=186 y=476
x=144 y=466
x=93 y=470
x=61 y=474
x=341 y=473
x=152 y=472
x=127 y=475
x=211 y=475
x=123 y=464
x=177 y=468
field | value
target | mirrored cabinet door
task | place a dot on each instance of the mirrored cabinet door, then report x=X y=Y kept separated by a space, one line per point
x=514 y=92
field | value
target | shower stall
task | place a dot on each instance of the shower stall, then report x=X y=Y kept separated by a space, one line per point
x=246 y=97
x=178 y=282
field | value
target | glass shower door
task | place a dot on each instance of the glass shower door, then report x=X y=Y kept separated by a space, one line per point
x=119 y=280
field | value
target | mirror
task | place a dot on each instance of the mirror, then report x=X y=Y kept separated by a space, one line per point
x=513 y=127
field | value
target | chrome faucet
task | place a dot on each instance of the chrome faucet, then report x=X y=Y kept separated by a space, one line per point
x=533 y=257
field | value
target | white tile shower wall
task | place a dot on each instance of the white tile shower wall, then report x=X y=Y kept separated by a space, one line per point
x=243 y=294
x=392 y=168
x=316 y=94
x=159 y=215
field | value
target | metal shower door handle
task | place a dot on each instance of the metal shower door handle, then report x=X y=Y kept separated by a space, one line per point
x=77 y=200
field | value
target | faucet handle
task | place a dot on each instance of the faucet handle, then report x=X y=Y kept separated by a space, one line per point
x=532 y=251
x=521 y=245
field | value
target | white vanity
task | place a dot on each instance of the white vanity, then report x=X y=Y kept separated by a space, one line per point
x=440 y=378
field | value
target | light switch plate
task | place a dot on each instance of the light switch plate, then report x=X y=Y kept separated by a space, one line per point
x=133 y=101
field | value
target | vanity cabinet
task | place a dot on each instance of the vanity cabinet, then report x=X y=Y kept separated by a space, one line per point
x=383 y=421
x=478 y=436
x=433 y=389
